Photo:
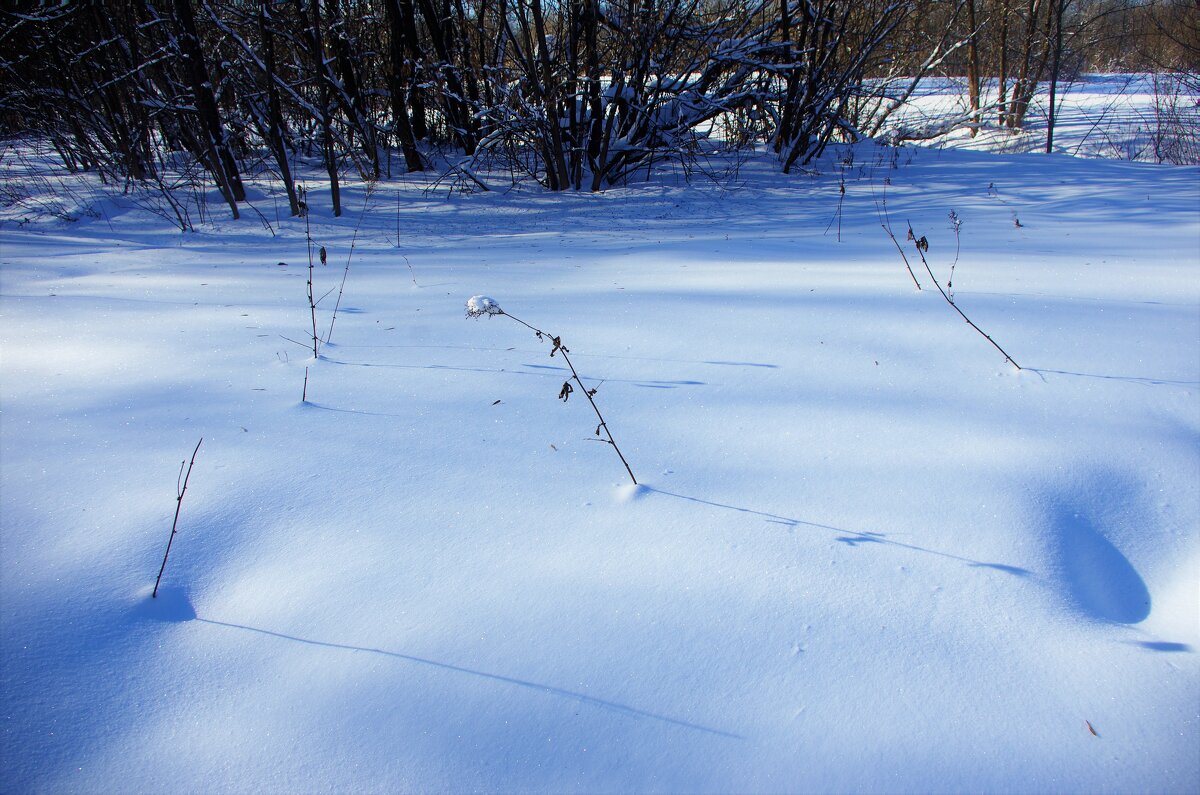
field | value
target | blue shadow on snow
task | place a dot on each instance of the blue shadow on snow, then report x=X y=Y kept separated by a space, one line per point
x=1162 y=645
x=1101 y=581
x=555 y=691
x=851 y=538
x=172 y=605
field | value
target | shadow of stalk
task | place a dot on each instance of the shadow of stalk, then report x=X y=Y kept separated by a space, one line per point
x=1129 y=379
x=848 y=537
x=554 y=691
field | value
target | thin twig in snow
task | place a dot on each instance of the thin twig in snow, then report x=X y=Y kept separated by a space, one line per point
x=179 y=492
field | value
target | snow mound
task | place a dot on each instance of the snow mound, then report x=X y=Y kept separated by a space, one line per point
x=632 y=492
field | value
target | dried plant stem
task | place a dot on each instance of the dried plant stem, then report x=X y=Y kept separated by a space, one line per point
x=411 y=272
x=886 y=222
x=179 y=492
x=346 y=272
x=917 y=244
x=896 y=243
x=559 y=348
x=304 y=393
x=837 y=215
x=312 y=304
x=957 y=250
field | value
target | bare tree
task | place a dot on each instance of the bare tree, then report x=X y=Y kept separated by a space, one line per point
x=208 y=136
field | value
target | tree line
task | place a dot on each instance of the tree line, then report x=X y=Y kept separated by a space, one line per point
x=577 y=94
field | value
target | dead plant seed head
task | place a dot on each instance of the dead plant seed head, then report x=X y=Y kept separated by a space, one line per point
x=480 y=305
x=955 y=222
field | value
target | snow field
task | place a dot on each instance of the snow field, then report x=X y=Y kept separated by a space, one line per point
x=868 y=554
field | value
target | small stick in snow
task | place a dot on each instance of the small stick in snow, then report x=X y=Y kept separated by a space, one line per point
x=179 y=492
x=481 y=306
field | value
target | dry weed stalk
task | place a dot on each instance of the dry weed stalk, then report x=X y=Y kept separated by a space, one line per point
x=886 y=222
x=482 y=306
x=179 y=492
x=922 y=245
x=353 y=241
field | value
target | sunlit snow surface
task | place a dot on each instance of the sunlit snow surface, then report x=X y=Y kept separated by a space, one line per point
x=867 y=553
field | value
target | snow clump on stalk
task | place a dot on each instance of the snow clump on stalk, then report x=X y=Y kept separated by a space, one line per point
x=480 y=305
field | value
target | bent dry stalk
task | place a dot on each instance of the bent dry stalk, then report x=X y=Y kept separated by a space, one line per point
x=353 y=240
x=179 y=492
x=482 y=306
x=885 y=221
x=312 y=304
x=921 y=244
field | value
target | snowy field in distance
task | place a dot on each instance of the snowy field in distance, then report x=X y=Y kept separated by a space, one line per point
x=1138 y=117
x=867 y=554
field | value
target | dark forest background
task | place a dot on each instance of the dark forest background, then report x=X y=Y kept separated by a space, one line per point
x=577 y=94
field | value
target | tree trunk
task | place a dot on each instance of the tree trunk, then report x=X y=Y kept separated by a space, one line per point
x=316 y=45
x=220 y=156
x=415 y=57
x=973 y=67
x=349 y=91
x=1002 y=89
x=399 y=78
x=275 y=137
x=1059 y=8
x=556 y=167
x=591 y=57
x=458 y=115
x=1026 y=85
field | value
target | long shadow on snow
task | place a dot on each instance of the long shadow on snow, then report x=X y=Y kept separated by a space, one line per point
x=480 y=349
x=555 y=691
x=849 y=537
x=363 y=412
x=554 y=371
x=1099 y=579
x=1129 y=379
x=646 y=383
x=1162 y=645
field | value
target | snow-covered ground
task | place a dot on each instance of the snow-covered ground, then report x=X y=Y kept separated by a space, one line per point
x=1139 y=117
x=867 y=553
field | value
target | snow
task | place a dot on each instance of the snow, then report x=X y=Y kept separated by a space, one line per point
x=480 y=305
x=866 y=554
x=1141 y=117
